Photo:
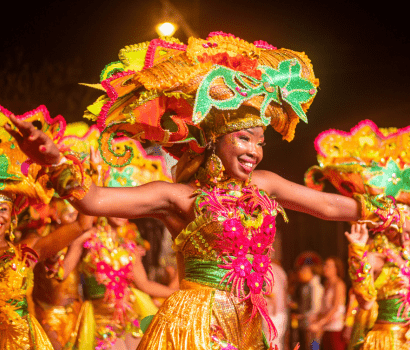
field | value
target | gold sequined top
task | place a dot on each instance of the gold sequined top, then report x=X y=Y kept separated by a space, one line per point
x=16 y=275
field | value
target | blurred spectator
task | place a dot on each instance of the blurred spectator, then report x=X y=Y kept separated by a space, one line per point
x=307 y=297
x=330 y=319
x=278 y=304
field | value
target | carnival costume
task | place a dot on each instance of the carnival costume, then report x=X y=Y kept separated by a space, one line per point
x=18 y=187
x=118 y=307
x=183 y=97
x=372 y=161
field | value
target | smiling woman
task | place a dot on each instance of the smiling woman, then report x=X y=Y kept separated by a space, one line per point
x=241 y=151
x=208 y=104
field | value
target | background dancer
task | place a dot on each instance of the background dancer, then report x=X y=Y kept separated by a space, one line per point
x=373 y=161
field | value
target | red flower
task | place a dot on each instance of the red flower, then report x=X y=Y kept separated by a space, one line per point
x=268 y=226
x=233 y=228
x=242 y=267
x=255 y=282
x=103 y=267
x=261 y=263
x=259 y=242
x=241 y=246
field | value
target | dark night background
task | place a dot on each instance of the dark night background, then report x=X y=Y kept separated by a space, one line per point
x=359 y=50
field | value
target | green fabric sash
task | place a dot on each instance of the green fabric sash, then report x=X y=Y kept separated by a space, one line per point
x=92 y=289
x=388 y=309
x=205 y=272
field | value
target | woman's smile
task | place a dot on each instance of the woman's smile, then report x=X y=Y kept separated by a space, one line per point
x=241 y=151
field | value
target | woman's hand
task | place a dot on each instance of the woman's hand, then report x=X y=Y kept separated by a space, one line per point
x=33 y=142
x=358 y=234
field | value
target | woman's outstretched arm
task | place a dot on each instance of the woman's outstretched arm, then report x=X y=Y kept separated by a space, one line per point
x=155 y=199
x=48 y=246
x=327 y=206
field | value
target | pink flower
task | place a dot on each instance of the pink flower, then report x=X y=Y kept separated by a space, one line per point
x=268 y=226
x=255 y=282
x=241 y=246
x=103 y=267
x=242 y=267
x=405 y=270
x=261 y=263
x=259 y=242
x=232 y=228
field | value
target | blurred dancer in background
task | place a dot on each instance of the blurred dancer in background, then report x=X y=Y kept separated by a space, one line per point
x=331 y=317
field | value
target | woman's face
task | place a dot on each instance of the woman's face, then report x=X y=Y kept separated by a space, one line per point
x=241 y=151
x=329 y=268
x=5 y=219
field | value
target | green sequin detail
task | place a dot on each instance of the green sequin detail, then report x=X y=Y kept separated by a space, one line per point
x=388 y=309
x=282 y=85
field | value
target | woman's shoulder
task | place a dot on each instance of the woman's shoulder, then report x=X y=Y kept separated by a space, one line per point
x=265 y=180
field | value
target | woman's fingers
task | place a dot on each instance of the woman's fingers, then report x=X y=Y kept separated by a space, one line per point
x=17 y=136
x=348 y=236
x=26 y=129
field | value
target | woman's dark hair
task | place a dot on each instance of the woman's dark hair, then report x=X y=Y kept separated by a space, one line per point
x=340 y=270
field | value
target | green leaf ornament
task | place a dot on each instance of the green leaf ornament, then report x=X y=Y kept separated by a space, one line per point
x=391 y=178
x=282 y=84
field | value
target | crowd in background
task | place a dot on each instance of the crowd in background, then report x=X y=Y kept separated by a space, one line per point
x=309 y=304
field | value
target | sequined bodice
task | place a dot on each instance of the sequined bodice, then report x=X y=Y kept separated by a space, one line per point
x=16 y=275
x=15 y=271
x=390 y=282
x=228 y=245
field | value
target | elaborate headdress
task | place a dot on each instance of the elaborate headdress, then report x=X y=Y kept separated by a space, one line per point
x=367 y=161
x=184 y=96
x=20 y=179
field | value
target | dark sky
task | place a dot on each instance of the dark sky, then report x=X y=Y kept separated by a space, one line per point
x=360 y=51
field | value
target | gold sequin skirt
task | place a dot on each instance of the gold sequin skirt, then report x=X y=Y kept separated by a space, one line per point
x=202 y=318
x=23 y=334
x=387 y=336
x=59 y=321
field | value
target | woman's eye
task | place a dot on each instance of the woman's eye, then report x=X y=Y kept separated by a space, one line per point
x=245 y=138
x=262 y=144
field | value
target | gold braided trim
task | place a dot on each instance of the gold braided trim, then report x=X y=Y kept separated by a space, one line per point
x=245 y=123
x=4 y=198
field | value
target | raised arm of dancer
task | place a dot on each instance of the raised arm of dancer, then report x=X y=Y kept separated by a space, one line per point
x=364 y=266
x=142 y=282
x=51 y=244
x=75 y=252
x=327 y=206
x=154 y=199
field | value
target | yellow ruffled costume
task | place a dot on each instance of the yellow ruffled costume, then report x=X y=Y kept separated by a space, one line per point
x=383 y=327
x=19 y=329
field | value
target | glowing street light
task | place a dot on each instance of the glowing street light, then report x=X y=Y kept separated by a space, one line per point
x=166 y=29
